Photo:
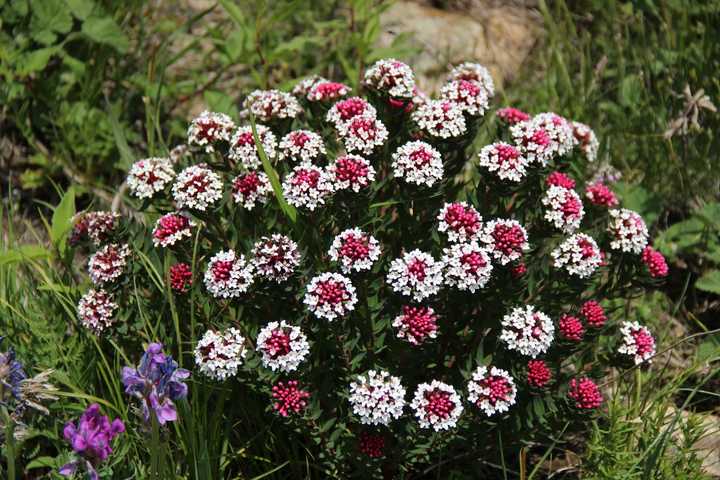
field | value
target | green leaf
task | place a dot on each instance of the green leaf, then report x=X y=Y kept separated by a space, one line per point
x=710 y=282
x=234 y=12
x=48 y=18
x=62 y=219
x=81 y=8
x=35 y=60
x=23 y=253
x=105 y=30
x=42 y=462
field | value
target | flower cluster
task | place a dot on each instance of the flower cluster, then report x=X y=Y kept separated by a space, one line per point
x=150 y=176
x=269 y=105
x=107 y=264
x=197 y=187
x=372 y=445
x=628 y=231
x=579 y=255
x=345 y=110
x=96 y=310
x=418 y=163
x=218 y=355
x=325 y=91
x=571 y=328
x=538 y=373
x=171 y=228
x=228 y=275
x=244 y=150
x=289 y=398
x=506 y=240
x=392 y=77
x=503 y=160
x=460 y=221
x=467 y=266
x=355 y=250
x=275 y=257
x=415 y=324
x=527 y=331
x=593 y=314
x=377 y=397
x=363 y=134
x=585 y=393
x=307 y=186
x=657 y=266
x=492 y=390
x=637 y=342
x=564 y=208
x=416 y=274
x=302 y=146
x=468 y=95
x=511 y=116
x=599 y=194
x=440 y=119
x=474 y=72
x=180 y=277
x=351 y=172
x=208 y=129
x=589 y=143
x=250 y=189
x=283 y=347
x=97 y=226
x=437 y=405
x=330 y=295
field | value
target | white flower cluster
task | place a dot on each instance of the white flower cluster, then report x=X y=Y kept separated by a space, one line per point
x=474 y=72
x=415 y=324
x=355 y=250
x=244 y=150
x=351 y=172
x=171 y=228
x=560 y=130
x=149 y=176
x=527 y=331
x=275 y=257
x=197 y=187
x=504 y=160
x=565 y=209
x=377 y=397
x=345 y=110
x=303 y=87
x=228 y=275
x=628 y=231
x=108 y=263
x=250 y=189
x=418 y=163
x=460 y=221
x=505 y=240
x=637 y=342
x=469 y=96
x=362 y=133
x=492 y=391
x=209 y=128
x=416 y=274
x=467 y=266
x=283 y=347
x=307 y=186
x=267 y=105
x=533 y=142
x=301 y=145
x=437 y=405
x=326 y=90
x=219 y=354
x=330 y=295
x=96 y=310
x=440 y=118
x=391 y=76
x=587 y=139
x=579 y=255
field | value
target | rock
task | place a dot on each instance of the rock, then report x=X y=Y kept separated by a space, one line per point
x=498 y=35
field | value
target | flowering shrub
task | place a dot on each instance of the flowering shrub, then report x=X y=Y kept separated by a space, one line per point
x=367 y=293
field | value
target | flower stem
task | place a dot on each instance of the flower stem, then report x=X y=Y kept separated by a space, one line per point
x=154 y=448
x=9 y=443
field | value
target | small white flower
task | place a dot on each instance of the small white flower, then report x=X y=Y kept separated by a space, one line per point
x=564 y=209
x=107 y=264
x=637 y=342
x=416 y=274
x=504 y=160
x=505 y=240
x=171 y=228
x=197 y=187
x=492 y=391
x=220 y=354
x=330 y=295
x=283 y=347
x=437 y=405
x=527 y=331
x=587 y=139
x=250 y=189
x=228 y=275
x=355 y=250
x=440 y=118
x=363 y=134
x=307 y=186
x=208 y=129
x=267 y=105
x=302 y=146
x=474 y=72
x=391 y=76
x=276 y=257
x=467 y=266
x=468 y=95
x=579 y=255
x=244 y=150
x=149 y=176
x=628 y=231
x=377 y=397
x=418 y=163
x=560 y=131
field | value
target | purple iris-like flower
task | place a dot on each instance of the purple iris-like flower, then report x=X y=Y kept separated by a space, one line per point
x=11 y=376
x=157 y=381
x=90 y=439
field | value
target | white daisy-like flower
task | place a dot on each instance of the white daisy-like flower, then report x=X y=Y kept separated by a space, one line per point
x=377 y=397
x=467 y=266
x=474 y=72
x=504 y=160
x=345 y=110
x=244 y=150
x=275 y=257
x=363 y=134
x=505 y=240
x=219 y=354
x=330 y=295
x=197 y=187
x=171 y=228
x=228 y=275
x=469 y=96
x=416 y=274
x=637 y=342
x=418 y=163
x=250 y=189
x=440 y=118
x=107 y=264
x=302 y=146
x=351 y=172
x=460 y=221
x=149 y=176
x=307 y=186
x=355 y=250
x=208 y=129
x=437 y=405
x=392 y=77
x=564 y=208
x=283 y=347
x=585 y=136
x=628 y=231
x=579 y=255
x=96 y=310
x=492 y=390
x=527 y=331
x=267 y=105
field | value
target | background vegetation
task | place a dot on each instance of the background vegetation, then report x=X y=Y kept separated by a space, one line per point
x=89 y=86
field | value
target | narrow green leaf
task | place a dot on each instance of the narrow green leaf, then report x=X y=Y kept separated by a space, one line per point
x=23 y=253
x=62 y=219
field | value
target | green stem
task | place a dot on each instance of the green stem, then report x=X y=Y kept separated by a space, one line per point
x=9 y=444
x=154 y=447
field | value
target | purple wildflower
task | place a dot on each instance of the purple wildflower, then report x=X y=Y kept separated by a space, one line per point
x=157 y=381
x=90 y=439
x=11 y=376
